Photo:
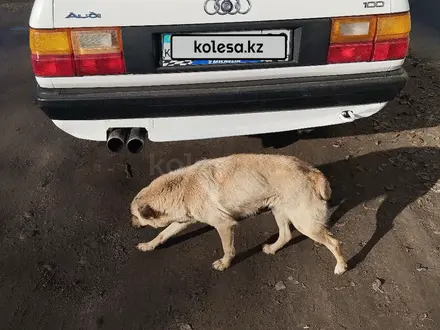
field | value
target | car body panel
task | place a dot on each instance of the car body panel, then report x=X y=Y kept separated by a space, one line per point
x=172 y=12
x=219 y=126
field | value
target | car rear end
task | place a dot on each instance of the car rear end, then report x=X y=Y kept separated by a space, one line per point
x=182 y=70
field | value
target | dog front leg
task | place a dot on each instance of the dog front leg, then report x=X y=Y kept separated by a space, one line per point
x=226 y=233
x=163 y=236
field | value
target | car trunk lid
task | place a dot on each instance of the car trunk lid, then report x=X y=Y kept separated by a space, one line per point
x=91 y=13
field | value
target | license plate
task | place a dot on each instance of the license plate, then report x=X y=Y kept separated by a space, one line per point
x=225 y=48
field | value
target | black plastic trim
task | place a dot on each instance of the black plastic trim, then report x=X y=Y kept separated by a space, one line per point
x=220 y=98
x=142 y=47
x=139 y=51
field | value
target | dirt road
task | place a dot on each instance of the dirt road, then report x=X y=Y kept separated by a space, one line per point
x=68 y=257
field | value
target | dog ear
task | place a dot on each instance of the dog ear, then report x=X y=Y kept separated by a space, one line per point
x=148 y=212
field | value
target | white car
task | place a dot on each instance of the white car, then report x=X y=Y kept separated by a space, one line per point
x=122 y=71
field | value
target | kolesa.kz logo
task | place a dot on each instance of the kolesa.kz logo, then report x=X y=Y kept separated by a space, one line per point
x=238 y=48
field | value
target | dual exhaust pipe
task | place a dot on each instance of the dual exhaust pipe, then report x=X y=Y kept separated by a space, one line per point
x=133 y=138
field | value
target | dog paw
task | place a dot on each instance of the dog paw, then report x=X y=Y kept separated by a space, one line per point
x=267 y=248
x=145 y=247
x=219 y=265
x=340 y=269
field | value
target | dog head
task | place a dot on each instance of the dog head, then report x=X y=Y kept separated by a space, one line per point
x=156 y=205
x=145 y=215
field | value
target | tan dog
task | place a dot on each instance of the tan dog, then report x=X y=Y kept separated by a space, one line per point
x=219 y=191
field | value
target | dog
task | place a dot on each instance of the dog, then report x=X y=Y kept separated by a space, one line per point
x=219 y=191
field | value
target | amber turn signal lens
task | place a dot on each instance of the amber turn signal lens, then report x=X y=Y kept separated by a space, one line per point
x=393 y=26
x=49 y=42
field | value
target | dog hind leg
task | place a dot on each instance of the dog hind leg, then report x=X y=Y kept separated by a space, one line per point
x=320 y=234
x=284 y=234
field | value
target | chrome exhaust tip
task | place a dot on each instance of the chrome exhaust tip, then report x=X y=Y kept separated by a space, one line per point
x=136 y=140
x=116 y=139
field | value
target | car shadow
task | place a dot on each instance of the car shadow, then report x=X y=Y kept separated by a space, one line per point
x=400 y=175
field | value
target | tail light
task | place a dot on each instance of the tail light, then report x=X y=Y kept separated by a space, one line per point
x=77 y=52
x=98 y=52
x=369 y=38
x=51 y=53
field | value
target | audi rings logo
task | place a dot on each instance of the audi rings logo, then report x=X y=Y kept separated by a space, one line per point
x=227 y=7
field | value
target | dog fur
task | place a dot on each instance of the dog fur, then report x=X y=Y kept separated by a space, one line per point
x=219 y=191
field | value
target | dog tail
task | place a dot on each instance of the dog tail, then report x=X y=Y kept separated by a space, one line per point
x=321 y=184
x=333 y=208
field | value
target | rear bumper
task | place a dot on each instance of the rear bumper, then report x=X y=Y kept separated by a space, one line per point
x=167 y=129
x=221 y=98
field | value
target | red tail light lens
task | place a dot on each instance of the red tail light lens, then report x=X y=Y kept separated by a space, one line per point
x=53 y=66
x=77 y=52
x=369 y=38
x=102 y=64
x=98 y=51
x=346 y=53
x=390 y=50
